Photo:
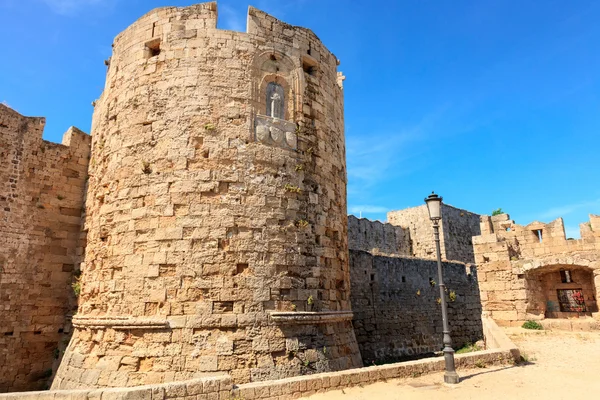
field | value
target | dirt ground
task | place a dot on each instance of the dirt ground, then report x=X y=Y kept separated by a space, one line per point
x=561 y=365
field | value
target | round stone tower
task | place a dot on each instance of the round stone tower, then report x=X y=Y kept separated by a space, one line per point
x=216 y=211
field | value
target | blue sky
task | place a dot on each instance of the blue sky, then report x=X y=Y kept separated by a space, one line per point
x=490 y=103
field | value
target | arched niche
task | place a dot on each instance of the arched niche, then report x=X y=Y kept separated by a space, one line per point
x=275 y=100
x=561 y=291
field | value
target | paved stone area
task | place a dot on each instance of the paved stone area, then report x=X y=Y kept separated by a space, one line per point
x=562 y=365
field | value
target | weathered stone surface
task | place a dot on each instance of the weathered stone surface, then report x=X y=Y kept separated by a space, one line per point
x=396 y=309
x=520 y=269
x=205 y=212
x=456 y=231
x=378 y=238
x=42 y=187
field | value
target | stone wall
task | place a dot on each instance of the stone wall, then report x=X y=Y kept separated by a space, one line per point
x=396 y=309
x=456 y=232
x=520 y=268
x=217 y=232
x=42 y=187
x=377 y=238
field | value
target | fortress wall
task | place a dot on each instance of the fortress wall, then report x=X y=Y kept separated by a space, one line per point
x=520 y=268
x=377 y=238
x=217 y=233
x=456 y=231
x=396 y=313
x=42 y=187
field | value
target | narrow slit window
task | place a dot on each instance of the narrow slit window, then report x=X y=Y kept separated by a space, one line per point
x=538 y=234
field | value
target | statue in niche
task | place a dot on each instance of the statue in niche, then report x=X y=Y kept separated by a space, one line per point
x=275 y=101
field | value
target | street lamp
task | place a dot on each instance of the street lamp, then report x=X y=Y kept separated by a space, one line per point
x=434 y=206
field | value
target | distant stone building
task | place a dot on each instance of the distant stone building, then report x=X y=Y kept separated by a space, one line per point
x=42 y=187
x=535 y=272
x=456 y=231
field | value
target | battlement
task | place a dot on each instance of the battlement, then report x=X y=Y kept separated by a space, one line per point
x=168 y=33
x=529 y=271
x=378 y=238
x=42 y=190
x=457 y=228
x=31 y=129
x=502 y=239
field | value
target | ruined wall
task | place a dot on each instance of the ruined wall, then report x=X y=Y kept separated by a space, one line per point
x=396 y=310
x=377 y=238
x=520 y=268
x=216 y=208
x=42 y=187
x=456 y=230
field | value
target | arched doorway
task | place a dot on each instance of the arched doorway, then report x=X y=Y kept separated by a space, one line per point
x=561 y=291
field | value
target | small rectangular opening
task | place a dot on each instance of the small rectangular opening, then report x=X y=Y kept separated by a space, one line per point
x=240 y=268
x=372 y=277
x=309 y=65
x=37 y=332
x=8 y=333
x=152 y=48
x=538 y=234
x=308 y=69
x=403 y=279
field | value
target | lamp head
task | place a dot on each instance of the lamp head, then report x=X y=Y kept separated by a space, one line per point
x=434 y=206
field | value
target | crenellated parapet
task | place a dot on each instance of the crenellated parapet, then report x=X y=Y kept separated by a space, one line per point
x=534 y=271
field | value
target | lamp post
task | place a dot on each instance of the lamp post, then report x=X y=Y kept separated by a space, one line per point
x=434 y=206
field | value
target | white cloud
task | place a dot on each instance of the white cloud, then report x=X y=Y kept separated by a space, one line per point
x=375 y=157
x=278 y=8
x=69 y=7
x=232 y=20
x=368 y=209
x=566 y=209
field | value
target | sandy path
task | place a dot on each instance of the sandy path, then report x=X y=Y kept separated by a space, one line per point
x=563 y=365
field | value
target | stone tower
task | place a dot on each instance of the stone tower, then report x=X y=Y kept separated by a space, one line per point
x=216 y=210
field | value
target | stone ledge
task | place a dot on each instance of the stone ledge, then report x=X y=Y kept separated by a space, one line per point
x=309 y=317
x=118 y=322
x=214 y=387
x=292 y=388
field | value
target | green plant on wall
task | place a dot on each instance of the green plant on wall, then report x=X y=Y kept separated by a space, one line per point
x=532 y=325
x=452 y=295
x=497 y=212
x=292 y=188
x=146 y=169
x=76 y=284
x=302 y=223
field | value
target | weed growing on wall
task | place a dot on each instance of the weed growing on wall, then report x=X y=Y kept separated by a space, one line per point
x=532 y=325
